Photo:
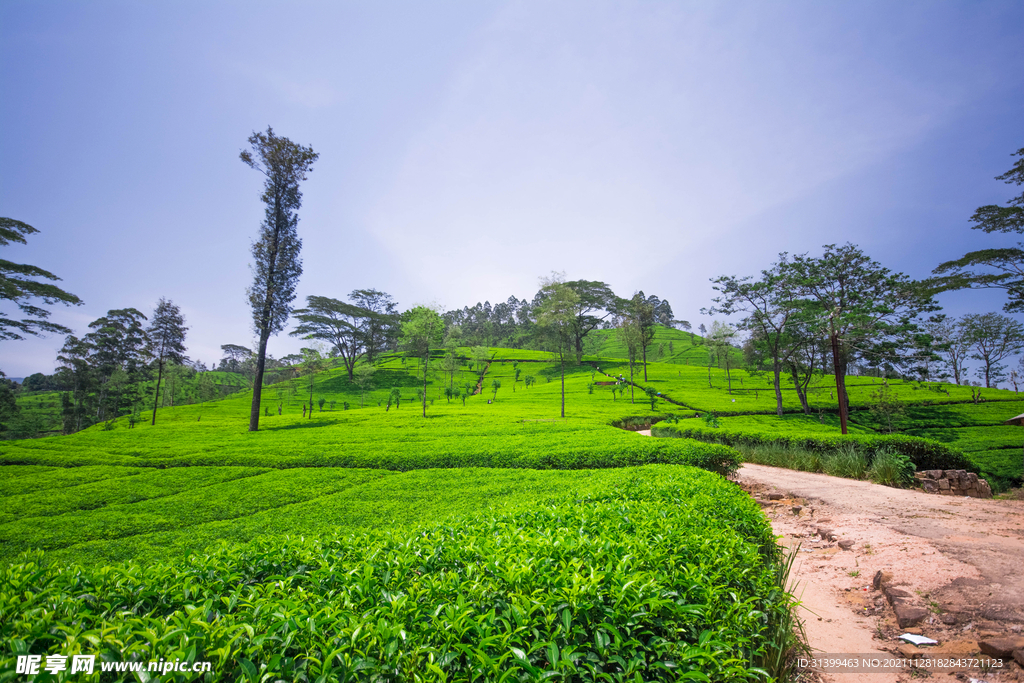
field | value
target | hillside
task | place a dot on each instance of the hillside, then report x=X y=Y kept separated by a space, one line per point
x=417 y=520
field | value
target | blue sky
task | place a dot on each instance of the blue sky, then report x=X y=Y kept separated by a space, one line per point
x=467 y=148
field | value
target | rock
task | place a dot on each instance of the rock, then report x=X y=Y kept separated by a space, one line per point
x=1001 y=647
x=1018 y=656
x=933 y=474
x=797 y=509
x=930 y=485
x=984 y=490
x=907 y=615
x=775 y=496
x=915 y=631
x=846 y=543
x=882 y=579
x=943 y=484
x=910 y=651
x=825 y=533
x=895 y=595
x=947 y=619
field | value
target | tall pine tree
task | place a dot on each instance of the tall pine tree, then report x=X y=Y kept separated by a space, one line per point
x=167 y=335
x=277 y=266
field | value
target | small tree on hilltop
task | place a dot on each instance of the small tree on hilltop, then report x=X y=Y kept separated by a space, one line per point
x=313 y=363
x=363 y=377
x=556 y=316
x=886 y=406
x=720 y=340
x=993 y=337
x=167 y=336
x=652 y=396
x=422 y=330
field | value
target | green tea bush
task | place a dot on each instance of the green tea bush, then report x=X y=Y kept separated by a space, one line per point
x=923 y=453
x=664 y=577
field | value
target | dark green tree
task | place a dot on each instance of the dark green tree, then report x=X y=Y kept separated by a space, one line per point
x=951 y=340
x=863 y=309
x=642 y=312
x=313 y=363
x=276 y=263
x=335 y=322
x=999 y=268
x=772 y=311
x=556 y=317
x=993 y=337
x=422 y=330
x=595 y=303
x=380 y=325
x=167 y=336
x=21 y=284
x=118 y=342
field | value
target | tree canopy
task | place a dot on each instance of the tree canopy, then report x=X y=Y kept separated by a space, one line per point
x=276 y=264
x=997 y=268
x=21 y=283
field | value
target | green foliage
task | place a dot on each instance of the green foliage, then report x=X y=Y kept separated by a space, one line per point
x=671 y=572
x=886 y=406
x=891 y=469
x=925 y=454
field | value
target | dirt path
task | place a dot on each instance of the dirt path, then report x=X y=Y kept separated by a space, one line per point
x=959 y=561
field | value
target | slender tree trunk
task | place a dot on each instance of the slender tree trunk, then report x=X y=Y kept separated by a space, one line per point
x=631 y=400
x=562 y=358
x=156 y=394
x=425 y=383
x=778 y=388
x=840 y=383
x=257 y=387
x=644 y=351
x=800 y=393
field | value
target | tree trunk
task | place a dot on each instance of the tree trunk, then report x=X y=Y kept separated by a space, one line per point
x=156 y=394
x=562 y=358
x=800 y=393
x=631 y=383
x=312 y=379
x=425 y=383
x=840 y=382
x=257 y=387
x=644 y=351
x=776 y=370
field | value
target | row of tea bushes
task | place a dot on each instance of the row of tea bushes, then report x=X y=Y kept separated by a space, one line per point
x=923 y=453
x=668 y=574
x=598 y=447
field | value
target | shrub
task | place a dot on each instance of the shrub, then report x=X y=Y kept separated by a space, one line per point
x=925 y=454
x=654 y=578
x=891 y=469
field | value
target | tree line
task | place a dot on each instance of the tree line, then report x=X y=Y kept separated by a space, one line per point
x=802 y=314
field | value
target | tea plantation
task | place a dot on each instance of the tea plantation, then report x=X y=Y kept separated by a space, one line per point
x=488 y=541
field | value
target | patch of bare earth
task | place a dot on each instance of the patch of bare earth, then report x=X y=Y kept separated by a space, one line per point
x=871 y=556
